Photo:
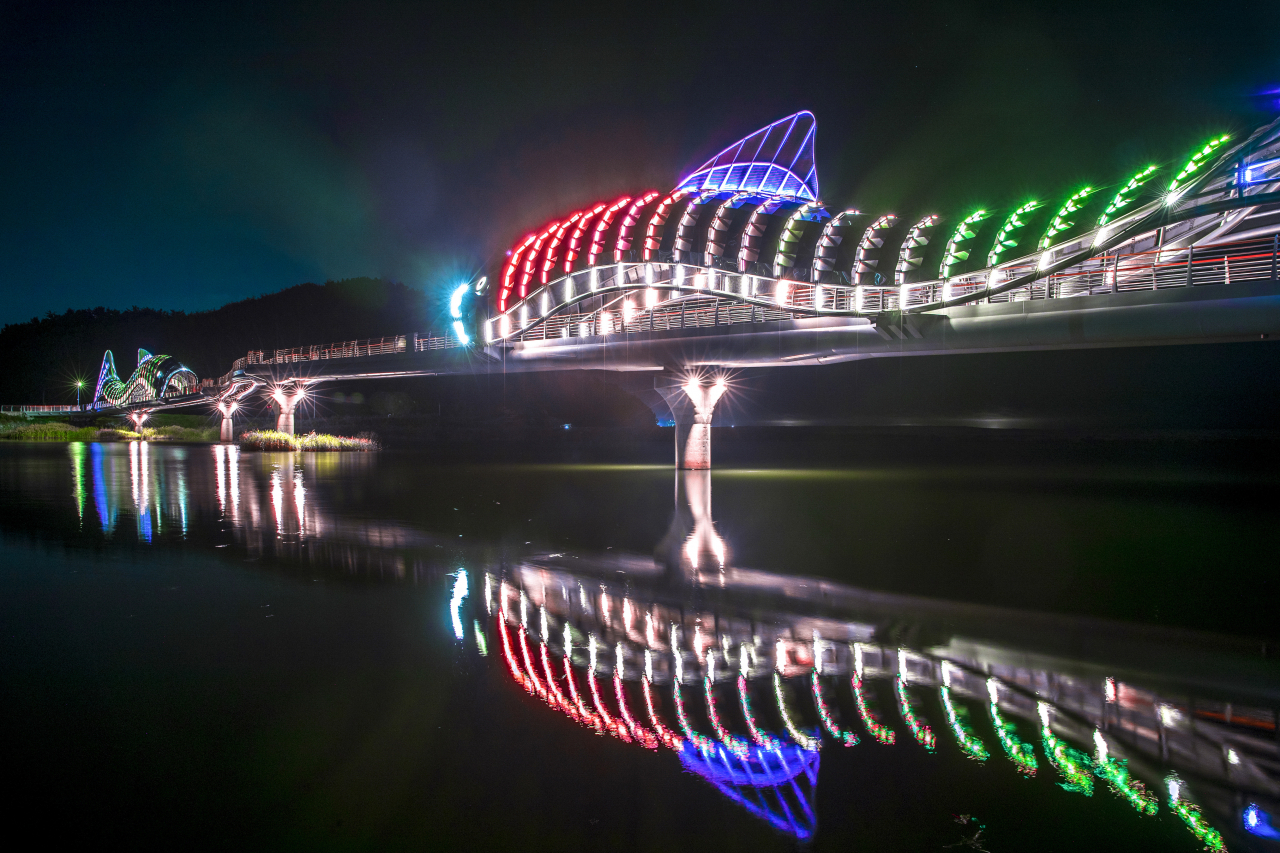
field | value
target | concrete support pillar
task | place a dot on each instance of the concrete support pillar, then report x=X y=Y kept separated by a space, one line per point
x=284 y=421
x=692 y=403
x=228 y=433
x=286 y=403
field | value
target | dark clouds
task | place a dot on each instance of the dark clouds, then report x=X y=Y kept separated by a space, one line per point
x=182 y=155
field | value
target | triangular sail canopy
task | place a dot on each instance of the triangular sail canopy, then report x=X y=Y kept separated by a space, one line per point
x=774 y=161
x=143 y=355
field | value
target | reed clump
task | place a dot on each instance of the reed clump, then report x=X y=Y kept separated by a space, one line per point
x=272 y=440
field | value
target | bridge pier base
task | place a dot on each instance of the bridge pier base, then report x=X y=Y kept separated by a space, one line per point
x=692 y=403
x=228 y=433
x=286 y=404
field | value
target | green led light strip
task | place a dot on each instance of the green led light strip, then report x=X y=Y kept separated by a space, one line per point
x=1126 y=195
x=1197 y=160
x=954 y=254
x=1004 y=237
x=1060 y=222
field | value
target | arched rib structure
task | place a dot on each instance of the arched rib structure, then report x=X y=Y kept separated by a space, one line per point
x=156 y=378
x=758 y=267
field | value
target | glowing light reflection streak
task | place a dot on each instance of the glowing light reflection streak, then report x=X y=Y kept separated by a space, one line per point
x=970 y=744
x=1019 y=751
x=805 y=741
x=877 y=729
x=760 y=736
x=1190 y=814
x=923 y=734
x=1115 y=772
x=1071 y=763
x=845 y=736
x=668 y=737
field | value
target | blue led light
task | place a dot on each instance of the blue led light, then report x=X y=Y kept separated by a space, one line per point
x=455 y=311
x=1258 y=822
x=776 y=160
x=1253 y=173
x=747 y=779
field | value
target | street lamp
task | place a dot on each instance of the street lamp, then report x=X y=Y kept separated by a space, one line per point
x=79 y=385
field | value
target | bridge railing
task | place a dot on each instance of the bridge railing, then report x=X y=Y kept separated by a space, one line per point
x=343 y=349
x=39 y=410
x=699 y=297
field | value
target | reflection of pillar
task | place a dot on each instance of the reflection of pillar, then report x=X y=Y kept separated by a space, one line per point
x=692 y=405
x=691 y=544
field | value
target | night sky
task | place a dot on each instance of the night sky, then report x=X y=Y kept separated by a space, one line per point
x=182 y=155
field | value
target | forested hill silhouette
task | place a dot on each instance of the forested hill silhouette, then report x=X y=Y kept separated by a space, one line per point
x=43 y=358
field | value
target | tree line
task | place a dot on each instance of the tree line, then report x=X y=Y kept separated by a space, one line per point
x=44 y=357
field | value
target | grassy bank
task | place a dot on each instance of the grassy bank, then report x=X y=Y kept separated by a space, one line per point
x=20 y=429
x=269 y=439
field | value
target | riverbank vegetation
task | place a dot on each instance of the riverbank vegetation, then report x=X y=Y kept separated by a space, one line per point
x=269 y=439
x=21 y=429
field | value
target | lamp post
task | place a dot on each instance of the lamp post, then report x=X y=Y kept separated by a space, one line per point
x=79 y=385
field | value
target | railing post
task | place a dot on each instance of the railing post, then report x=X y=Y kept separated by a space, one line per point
x=1190 y=251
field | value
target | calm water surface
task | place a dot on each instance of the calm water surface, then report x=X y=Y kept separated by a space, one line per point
x=209 y=648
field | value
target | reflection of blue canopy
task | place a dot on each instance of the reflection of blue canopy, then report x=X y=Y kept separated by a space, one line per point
x=774 y=784
x=774 y=161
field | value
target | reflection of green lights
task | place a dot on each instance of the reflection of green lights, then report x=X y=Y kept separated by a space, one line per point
x=965 y=231
x=1197 y=160
x=1126 y=195
x=1019 y=751
x=481 y=643
x=923 y=734
x=1190 y=814
x=1071 y=763
x=77 y=475
x=828 y=720
x=1005 y=236
x=1115 y=773
x=1060 y=222
x=957 y=718
x=878 y=730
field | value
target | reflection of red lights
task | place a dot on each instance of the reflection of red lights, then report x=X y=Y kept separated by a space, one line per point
x=668 y=737
x=584 y=713
x=528 y=662
x=641 y=734
x=615 y=727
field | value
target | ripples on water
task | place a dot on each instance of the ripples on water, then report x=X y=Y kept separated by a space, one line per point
x=370 y=650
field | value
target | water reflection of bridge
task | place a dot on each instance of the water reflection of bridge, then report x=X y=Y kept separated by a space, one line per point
x=749 y=676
